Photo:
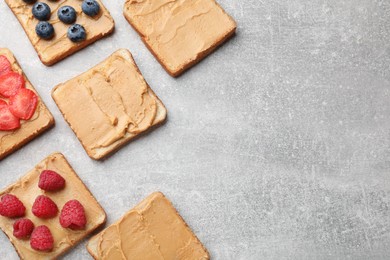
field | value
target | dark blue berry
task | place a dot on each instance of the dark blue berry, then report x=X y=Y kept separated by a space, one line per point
x=41 y=11
x=76 y=33
x=67 y=14
x=29 y=1
x=90 y=7
x=45 y=30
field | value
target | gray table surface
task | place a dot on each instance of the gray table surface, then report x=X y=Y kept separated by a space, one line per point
x=277 y=145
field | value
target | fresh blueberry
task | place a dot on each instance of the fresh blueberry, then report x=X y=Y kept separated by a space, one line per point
x=44 y=30
x=67 y=14
x=29 y=1
x=41 y=11
x=90 y=7
x=76 y=33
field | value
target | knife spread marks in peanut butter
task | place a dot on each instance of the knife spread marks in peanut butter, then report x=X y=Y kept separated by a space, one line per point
x=41 y=120
x=108 y=104
x=57 y=48
x=179 y=32
x=152 y=230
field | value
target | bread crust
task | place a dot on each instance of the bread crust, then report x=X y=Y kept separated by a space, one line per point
x=200 y=56
x=37 y=132
x=160 y=106
x=86 y=233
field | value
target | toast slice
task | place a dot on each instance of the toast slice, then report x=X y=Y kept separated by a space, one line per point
x=180 y=33
x=152 y=230
x=109 y=105
x=41 y=121
x=60 y=46
x=26 y=189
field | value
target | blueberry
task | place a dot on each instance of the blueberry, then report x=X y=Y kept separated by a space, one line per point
x=76 y=33
x=45 y=30
x=67 y=14
x=90 y=7
x=41 y=11
x=29 y=1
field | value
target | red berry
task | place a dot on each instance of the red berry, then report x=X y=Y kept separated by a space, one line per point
x=23 y=103
x=23 y=228
x=42 y=239
x=8 y=121
x=11 y=206
x=51 y=181
x=10 y=83
x=73 y=215
x=44 y=207
x=5 y=65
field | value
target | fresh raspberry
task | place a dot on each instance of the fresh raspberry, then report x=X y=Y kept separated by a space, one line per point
x=42 y=239
x=73 y=215
x=8 y=121
x=44 y=207
x=11 y=206
x=51 y=181
x=23 y=103
x=23 y=228
x=10 y=83
x=5 y=65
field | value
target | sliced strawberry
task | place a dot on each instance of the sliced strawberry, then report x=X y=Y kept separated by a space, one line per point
x=10 y=83
x=5 y=65
x=8 y=121
x=23 y=104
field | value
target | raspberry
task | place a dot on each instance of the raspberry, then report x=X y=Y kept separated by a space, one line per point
x=73 y=215
x=44 y=207
x=11 y=206
x=42 y=239
x=51 y=181
x=23 y=228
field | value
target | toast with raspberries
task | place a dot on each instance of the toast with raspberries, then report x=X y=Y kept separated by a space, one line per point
x=49 y=210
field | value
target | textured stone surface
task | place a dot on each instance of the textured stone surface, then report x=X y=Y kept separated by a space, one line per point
x=277 y=146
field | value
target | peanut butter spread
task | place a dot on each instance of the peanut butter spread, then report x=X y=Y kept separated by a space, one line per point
x=108 y=105
x=60 y=46
x=178 y=31
x=41 y=119
x=26 y=189
x=152 y=230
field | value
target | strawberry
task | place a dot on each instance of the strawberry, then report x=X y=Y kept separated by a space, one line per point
x=42 y=239
x=8 y=121
x=23 y=104
x=51 y=181
x=11 y=206
x=5 y=65
x=23 y=228
x=10 y=83
x=44 y=207
x=73 y=215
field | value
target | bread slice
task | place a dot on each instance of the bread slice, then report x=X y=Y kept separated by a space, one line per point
x=26 y=189
x=180 y=33
x=109 y=105
x=59 y=47
x=152 y=230
x=41 y=121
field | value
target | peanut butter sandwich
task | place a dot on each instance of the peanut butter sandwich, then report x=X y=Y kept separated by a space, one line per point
x=58 y=29
x=179 y=33
x=49 y=210
x=109 y=105
x=23 y=115
x=153 y=230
